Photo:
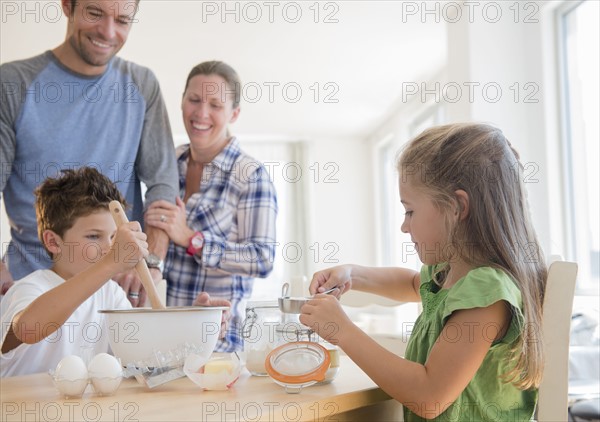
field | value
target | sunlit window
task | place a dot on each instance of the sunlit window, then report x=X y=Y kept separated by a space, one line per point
x=282 y=160
x=580 y=65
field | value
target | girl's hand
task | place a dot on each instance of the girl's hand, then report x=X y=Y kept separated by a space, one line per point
x=324 y=314
x=129 y=246
x=172 y=219
x=340 y=277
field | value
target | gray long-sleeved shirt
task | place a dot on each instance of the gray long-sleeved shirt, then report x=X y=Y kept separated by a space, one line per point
x=52 y=118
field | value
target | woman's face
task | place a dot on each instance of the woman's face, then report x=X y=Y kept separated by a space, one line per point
x=207 y=108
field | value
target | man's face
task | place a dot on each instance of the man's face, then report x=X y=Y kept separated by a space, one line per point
x=98 y=29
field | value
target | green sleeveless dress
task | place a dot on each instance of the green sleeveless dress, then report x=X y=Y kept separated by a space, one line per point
x=487 y=397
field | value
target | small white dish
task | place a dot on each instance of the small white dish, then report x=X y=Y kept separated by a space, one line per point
x=219 y=372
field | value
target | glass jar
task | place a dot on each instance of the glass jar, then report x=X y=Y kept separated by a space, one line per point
x=293 y=331
x=301 y=358
x=259 y=333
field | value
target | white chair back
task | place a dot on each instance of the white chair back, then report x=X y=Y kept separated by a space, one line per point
x=558 y=307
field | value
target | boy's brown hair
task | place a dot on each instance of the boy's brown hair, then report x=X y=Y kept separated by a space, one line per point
x=72 y=194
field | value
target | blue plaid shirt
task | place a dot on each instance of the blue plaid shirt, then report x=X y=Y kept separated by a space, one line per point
x=235 y=210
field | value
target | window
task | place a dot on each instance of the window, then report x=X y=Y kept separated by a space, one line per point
x=389 y=228
x=283 y=161
x=580 y=69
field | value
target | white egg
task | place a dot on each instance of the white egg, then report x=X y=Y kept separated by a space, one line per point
x=106 y=372
x=71 y=368
x=104 y=365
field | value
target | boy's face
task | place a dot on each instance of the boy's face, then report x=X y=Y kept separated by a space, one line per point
x=83 y=244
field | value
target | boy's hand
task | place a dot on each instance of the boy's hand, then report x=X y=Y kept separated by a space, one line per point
x=203 y=299
x=128 y=248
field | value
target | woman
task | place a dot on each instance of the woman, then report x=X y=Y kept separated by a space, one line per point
x=222 y=230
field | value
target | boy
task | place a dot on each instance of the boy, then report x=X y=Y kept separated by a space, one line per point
x=53 y=313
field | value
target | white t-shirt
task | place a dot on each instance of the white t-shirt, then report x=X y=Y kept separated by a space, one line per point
x=85 y=328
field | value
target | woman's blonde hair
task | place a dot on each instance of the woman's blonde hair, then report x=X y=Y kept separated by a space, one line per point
x=497 y=231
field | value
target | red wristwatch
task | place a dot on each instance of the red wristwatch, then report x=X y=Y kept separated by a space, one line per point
x=195 y=244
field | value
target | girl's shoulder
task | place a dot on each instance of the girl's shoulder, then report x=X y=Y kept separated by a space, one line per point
x=488 y=278
x=488 y=281
x=482 y=287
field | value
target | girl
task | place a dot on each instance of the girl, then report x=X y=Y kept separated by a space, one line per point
x=473 y=354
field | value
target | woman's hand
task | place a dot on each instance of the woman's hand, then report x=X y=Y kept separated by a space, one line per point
x=172 y=219
x=340 y=277
x=204 y=299
x=324 y=314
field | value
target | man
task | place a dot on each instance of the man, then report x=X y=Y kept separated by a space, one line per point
x=80 y=105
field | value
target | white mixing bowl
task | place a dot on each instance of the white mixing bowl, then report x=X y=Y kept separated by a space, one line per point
x=135 y=335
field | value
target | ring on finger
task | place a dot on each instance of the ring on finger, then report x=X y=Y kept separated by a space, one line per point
x=134 y=295
x=163 y=218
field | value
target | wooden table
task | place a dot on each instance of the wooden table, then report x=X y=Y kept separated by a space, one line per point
x=351 y=396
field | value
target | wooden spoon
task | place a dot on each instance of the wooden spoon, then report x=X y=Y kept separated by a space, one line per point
x=141 y=267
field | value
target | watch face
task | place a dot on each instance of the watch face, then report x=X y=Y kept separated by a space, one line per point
x=153 y=260
x=197 y=242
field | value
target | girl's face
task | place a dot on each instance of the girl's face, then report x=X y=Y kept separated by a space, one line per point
x=207 y=108
x=425 y=223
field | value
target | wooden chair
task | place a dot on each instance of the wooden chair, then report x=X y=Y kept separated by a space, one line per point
x=558 y=307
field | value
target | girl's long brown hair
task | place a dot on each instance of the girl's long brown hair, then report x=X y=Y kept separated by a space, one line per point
x=497 y=232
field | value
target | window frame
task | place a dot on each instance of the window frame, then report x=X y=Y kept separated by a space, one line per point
x=584 y=286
